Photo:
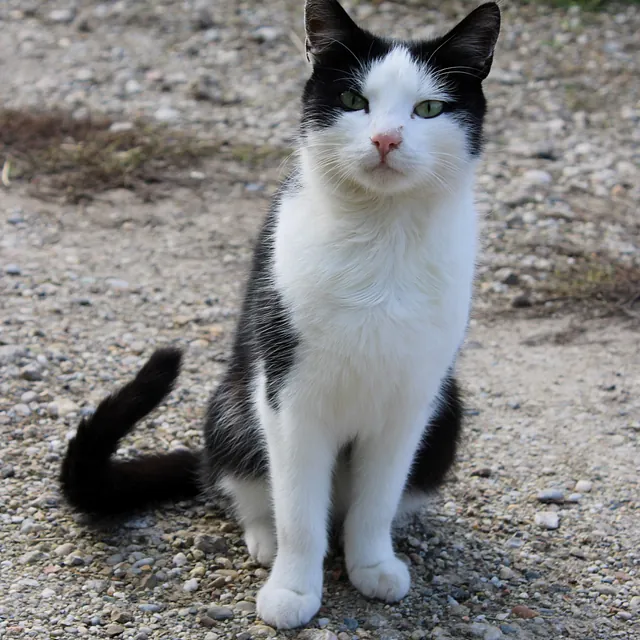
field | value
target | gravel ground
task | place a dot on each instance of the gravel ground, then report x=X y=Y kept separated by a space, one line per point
x=535 y=536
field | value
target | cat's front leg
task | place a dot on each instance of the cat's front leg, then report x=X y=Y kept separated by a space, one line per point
x=300 y=460
x=380 y=464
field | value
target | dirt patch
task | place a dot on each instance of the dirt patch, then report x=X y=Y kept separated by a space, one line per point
x=592 y=286
x=62 y=156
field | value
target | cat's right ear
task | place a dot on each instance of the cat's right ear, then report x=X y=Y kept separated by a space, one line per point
x=325 y=22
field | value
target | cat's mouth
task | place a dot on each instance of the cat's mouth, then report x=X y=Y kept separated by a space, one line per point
x=383 y=168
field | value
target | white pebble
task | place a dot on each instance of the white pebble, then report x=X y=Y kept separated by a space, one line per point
x=28 y=396
x=22 y=410
x=180 y=559
x=583 y=486
x=191 y=585
x=166 y=114
x=64 y=549
x=64 y=406
x=547 y=520
x=132 y=86
x=536 y=176
x=119 y=127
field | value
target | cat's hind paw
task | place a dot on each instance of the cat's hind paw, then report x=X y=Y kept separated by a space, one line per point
x=260 y=539
x=286 y=609
x=388 y=580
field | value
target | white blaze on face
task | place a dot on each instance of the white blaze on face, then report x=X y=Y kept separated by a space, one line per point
x=432 y=151
x=393 y=86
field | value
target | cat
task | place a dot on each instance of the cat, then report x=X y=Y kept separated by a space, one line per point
x=340 y=401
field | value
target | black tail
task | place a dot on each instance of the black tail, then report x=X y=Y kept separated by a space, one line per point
x=94 y=483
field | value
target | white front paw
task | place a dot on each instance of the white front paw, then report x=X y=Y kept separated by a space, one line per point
x=260 y=539
x=286 y=609
x=388 y=580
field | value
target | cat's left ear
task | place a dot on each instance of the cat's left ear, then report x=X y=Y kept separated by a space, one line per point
x=473 y=40
x=325 y=22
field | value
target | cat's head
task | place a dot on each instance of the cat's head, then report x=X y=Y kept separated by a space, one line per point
x=389 y=116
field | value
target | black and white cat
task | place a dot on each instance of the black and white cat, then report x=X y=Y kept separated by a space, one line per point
x=339 y=400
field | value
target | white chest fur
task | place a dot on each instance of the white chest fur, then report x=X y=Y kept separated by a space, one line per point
x=380 y=297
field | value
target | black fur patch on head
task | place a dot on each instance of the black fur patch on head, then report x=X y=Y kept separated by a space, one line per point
x=337 y=69
x=340 y=50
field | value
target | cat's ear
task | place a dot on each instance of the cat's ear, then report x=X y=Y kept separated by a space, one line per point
x=473 y=40
x=325 y=22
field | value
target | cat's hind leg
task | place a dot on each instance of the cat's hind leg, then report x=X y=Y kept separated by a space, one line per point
x=437 y=450
x=253 y=507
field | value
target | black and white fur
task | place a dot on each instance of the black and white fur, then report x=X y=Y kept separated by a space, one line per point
x=340 y=396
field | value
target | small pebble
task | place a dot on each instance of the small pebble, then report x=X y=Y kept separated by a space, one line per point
x=605 y=589
x=31 y=373
x=12 y=270
x=219 y=613
x=536 y=176
x=211 y=544
x=22 y=410
x=477 y=629
x=62 y=407
x=245 y=607
x=547 y=520
x=551 y=495
x=266 y=34
x=374 y=621
x=207 y=622
x=114 y=283
x=583 y=486
x=492 y=633
x=521 y=301
x=351 y=623
x=506 y=573
x=74 y=559
x=261 y=631
x=166 y=114
x=62 y=16
x=316 y=634
x=510 y=629
x=64 y=549
x=179 y=560
x=524 y=612
x=191 y=585
x=144 y=562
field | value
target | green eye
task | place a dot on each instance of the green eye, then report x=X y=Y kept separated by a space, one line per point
x=353 y=101
x=429 y=108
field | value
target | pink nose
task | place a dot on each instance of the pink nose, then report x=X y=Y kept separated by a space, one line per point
x=386 y=142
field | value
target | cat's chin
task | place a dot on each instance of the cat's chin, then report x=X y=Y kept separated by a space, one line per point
x=384 y=169
x=383 y=179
